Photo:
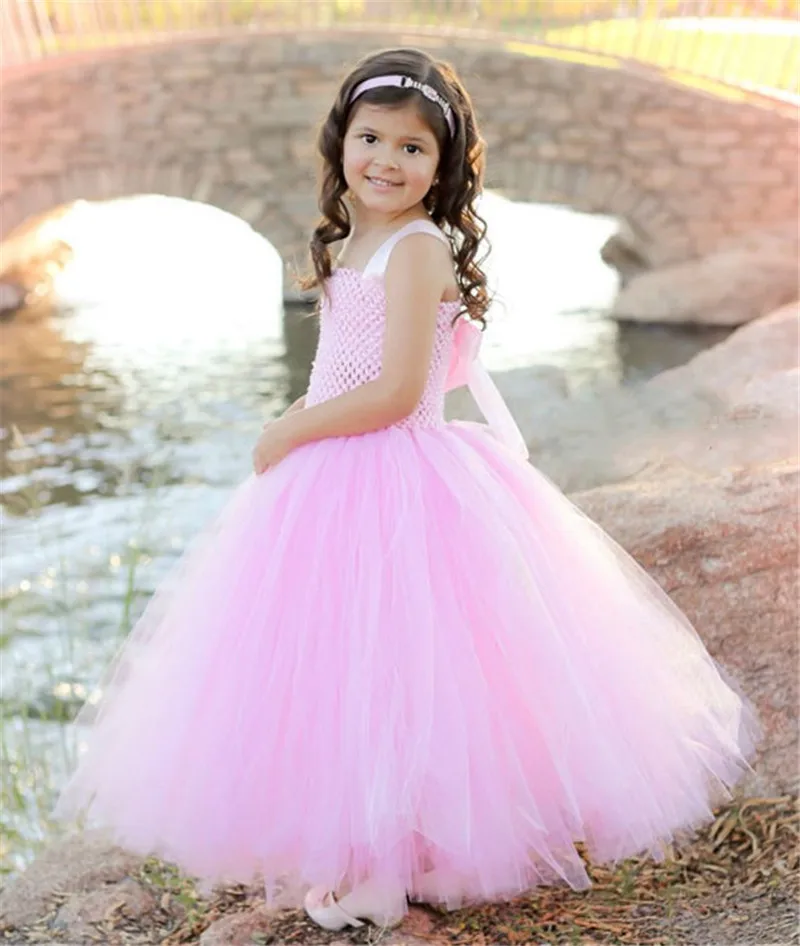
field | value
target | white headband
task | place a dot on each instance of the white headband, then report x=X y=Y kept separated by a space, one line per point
x=405 y=82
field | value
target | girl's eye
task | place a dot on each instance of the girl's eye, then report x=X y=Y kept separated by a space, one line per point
x=369 y=139
x=416 y=148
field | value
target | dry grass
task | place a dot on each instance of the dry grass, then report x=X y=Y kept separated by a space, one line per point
x=743 y=869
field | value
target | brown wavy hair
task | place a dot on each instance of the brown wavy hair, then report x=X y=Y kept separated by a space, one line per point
x=450 y=202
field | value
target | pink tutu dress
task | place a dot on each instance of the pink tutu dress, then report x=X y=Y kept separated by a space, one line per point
x=407 y=652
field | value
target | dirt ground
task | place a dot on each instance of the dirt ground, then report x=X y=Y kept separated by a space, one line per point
x=738 y=882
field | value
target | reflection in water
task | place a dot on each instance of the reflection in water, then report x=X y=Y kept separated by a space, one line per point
x=645 y=350
x=149 y=357
x=139 y=404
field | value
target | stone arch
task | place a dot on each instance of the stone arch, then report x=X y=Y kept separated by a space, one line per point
x=258 y=208
x=230 y=121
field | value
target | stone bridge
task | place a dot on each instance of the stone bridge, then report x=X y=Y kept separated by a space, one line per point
x=230 y=121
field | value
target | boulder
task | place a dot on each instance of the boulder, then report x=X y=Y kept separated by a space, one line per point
x=764 y=347
x=734 y=405
x=725 y=549
x=240 y=929
x=695 y=473
x=744 y=279
x=79 y=864
x=77 y=918
x=626 y=252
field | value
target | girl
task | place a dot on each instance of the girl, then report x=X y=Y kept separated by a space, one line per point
x=401 y=665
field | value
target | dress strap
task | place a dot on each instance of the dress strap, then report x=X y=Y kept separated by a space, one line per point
x=380 y=258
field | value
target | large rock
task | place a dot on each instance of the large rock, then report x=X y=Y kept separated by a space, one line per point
x=695 y=473
x=626 y=252
x=78 y=865
x=240 y=929
x=735 y=405
x=77 y=920
x=725 y=549
x=763 y=348
x=743 y=280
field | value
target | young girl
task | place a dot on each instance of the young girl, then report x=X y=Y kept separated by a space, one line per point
x=401 y=665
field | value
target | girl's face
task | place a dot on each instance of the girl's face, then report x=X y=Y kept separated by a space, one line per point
x=390 y=158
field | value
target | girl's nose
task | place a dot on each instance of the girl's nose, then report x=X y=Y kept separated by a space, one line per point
x=388 y=161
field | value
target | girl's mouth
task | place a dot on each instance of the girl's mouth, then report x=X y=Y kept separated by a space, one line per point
x=381 y=183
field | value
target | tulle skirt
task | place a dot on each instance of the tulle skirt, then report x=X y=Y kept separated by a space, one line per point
x=401 y=652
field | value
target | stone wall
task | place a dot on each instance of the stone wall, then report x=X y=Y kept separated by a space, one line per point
x=231 y=122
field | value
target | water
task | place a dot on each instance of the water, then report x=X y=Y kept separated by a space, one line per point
x=137 y=411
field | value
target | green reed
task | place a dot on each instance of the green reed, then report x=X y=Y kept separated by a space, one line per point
x=37 y=747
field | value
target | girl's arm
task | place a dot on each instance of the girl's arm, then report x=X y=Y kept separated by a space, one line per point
x=297 y=405
x=414 y=282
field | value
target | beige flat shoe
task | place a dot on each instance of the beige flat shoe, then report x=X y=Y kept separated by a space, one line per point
x=369 y=901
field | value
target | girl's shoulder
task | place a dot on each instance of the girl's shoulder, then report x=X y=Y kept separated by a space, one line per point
x=420 y=255
x=416 y=255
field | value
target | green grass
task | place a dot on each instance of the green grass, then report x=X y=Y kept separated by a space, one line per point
x=769 y=61
x=156 y=11
x=67 y=16
x=606 y=9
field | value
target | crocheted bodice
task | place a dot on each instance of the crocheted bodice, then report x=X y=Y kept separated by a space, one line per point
x=352 y=319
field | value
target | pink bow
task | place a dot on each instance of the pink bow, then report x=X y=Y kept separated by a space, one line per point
x=466 y=368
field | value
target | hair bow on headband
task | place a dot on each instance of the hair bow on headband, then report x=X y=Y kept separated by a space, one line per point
x=406 y=82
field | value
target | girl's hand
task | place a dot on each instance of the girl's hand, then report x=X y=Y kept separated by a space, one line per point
x=272 y=446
